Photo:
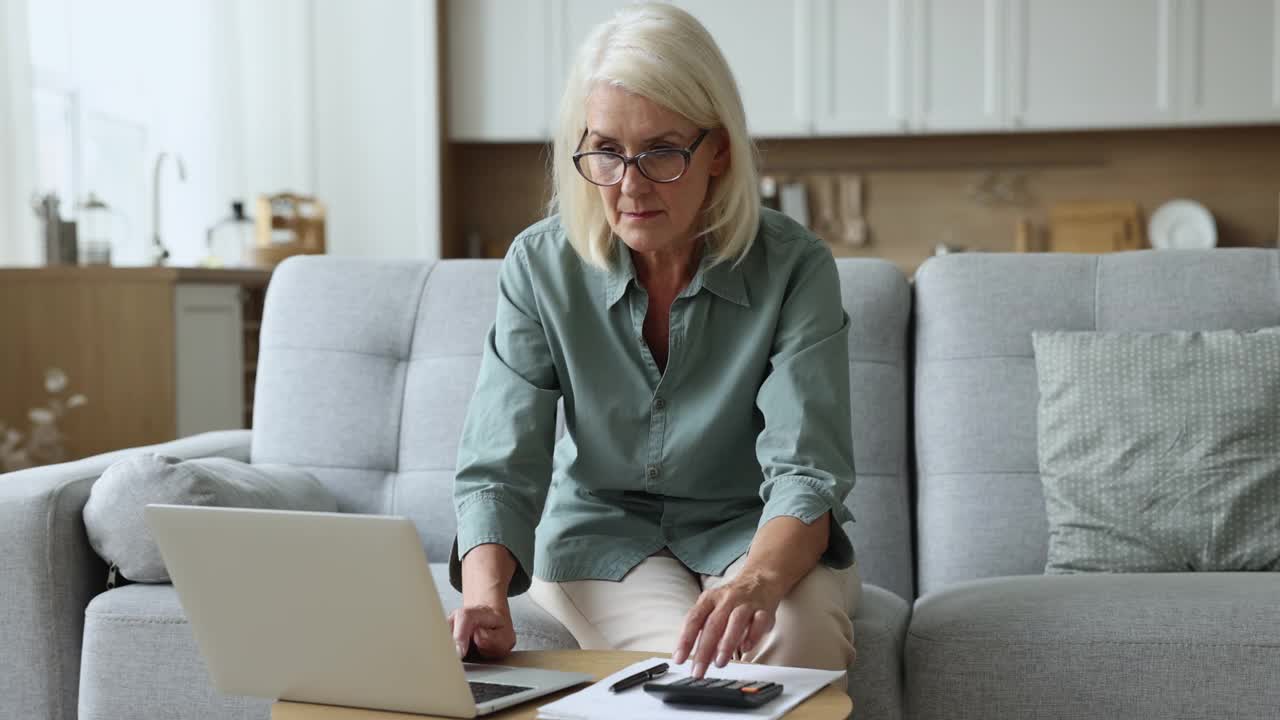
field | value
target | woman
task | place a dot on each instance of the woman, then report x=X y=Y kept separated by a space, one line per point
x=699 y=345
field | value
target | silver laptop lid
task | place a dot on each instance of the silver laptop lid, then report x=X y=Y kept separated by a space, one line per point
x=328 y=608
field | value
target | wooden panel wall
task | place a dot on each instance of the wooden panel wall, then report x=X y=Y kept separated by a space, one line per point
x=918 y=190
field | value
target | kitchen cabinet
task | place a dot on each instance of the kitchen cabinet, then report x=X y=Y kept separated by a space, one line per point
x=160 y=353
x=1091 y=64
x=958 y=65
x=898 y=66
x=498 y=59
x=884 y=67
x=859 y=67
x=772 y=69
x=571 y=20
x=766 y=44
x=1230 y=69
x=208 y=364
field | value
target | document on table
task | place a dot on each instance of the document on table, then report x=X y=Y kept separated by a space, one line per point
x=635 y=704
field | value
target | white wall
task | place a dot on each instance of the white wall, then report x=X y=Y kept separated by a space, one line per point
x=263 y=78
x=377 y=154
x=19 y=237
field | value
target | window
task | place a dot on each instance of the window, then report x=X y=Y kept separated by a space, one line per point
x=113 y=85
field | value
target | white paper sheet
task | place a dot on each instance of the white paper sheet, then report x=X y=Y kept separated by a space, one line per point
x=636 y=704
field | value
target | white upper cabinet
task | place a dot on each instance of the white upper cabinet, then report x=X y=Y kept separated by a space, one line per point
x=498 y=82
x=766 y=43
x=957 y=65
x=571 y=21
x=770 y=67
x=1231 y=61
x=860 y=83
x=1091 y=63
x=858 y=67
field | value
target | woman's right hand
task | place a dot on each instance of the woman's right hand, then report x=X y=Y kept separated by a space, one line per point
x=488 y=627
x=484 y=620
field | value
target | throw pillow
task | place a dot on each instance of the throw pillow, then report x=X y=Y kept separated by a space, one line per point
x=113 y=514
x=1160 y=452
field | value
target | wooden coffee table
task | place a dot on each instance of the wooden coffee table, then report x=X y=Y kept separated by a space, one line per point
x=830 y=703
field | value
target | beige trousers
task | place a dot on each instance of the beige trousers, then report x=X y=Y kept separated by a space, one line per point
x=646 y=610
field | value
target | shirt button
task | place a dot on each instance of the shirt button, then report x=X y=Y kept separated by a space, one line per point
x=660 y=403
x=652 y=472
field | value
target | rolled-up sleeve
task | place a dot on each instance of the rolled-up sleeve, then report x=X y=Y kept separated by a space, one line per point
x=505 y=453
x=806 y=447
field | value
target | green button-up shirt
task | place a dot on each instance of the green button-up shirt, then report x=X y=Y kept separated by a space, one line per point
x=749 y=421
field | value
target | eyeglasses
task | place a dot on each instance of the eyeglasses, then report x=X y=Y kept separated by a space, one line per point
x=663 y=165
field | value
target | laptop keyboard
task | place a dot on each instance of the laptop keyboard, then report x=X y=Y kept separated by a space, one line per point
x=485 y=692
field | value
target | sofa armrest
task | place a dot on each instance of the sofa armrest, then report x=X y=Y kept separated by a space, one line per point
x=48 y=573
x=879 y=630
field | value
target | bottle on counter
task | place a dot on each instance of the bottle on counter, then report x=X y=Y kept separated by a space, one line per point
x=228 y=241
x=769 y=192
x=96 y=232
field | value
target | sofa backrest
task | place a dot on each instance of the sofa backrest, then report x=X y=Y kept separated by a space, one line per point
x=878 y=300
x=365 y=369
x=980 y=508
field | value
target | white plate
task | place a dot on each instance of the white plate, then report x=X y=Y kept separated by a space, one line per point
x=1182 y=225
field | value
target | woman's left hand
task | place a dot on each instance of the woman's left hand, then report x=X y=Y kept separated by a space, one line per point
x=732 y=617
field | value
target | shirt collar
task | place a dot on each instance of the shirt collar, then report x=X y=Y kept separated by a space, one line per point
x=722 y=279
x=621 y=273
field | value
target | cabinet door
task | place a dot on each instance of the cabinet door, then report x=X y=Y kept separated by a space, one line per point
x=957 y=65
x=766 y=44
x=1091 y=63
x=860 y=84
x=1232 y=61
x=498 y=65
x=571 y=22
x=208 y=358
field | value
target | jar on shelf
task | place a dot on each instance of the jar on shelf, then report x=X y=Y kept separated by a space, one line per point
x=230 y=240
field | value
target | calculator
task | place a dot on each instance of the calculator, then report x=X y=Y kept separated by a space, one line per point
x=715 y=691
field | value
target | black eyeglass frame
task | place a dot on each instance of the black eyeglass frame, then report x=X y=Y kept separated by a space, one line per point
x=687 y=153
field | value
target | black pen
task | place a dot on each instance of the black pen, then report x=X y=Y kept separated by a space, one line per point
x=631 y=681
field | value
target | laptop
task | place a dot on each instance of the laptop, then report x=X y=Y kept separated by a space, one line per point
x=328 y=608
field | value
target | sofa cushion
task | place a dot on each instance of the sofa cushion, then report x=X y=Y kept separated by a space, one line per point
x=141 y=660
x=1158 y=450
x=114 y=519
x=1098 y=645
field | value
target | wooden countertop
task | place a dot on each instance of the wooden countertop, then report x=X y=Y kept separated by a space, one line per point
x=251 y=277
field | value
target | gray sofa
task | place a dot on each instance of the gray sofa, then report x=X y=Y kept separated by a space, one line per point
x=987 y=637
x=364 y=372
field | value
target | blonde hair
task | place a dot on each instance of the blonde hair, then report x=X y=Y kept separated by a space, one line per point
x=661 y=53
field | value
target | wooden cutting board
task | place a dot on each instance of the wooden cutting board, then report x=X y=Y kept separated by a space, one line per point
x=1095 y=227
